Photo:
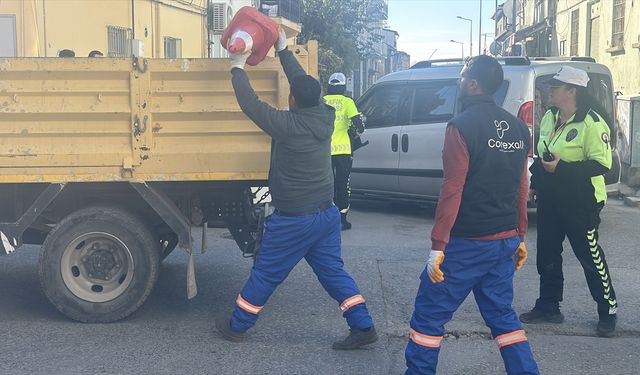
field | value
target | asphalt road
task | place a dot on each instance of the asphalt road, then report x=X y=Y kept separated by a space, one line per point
x=385 y=252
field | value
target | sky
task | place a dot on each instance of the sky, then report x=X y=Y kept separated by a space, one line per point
x=426 y=26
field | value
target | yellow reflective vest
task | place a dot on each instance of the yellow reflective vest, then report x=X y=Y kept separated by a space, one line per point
x=345 y=110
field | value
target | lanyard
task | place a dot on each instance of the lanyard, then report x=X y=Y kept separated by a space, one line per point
x=555 y=135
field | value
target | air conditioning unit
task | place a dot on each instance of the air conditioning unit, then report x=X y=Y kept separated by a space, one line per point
x=218 y=17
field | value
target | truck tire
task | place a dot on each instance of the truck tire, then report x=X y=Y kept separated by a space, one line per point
x=99 y=264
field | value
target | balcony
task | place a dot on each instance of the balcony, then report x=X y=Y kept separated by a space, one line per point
x=289 y=9
x=287 y=13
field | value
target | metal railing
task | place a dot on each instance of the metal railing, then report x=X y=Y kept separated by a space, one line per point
x=289 y=9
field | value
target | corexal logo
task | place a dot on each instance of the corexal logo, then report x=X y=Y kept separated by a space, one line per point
x=501 y=128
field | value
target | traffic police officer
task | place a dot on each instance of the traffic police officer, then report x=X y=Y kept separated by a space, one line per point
x=570 y=189
x=348 y=122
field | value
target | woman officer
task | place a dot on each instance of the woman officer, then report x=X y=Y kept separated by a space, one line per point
x=570 y=189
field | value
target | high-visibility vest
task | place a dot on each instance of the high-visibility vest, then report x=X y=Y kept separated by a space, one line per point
x=577 y=140
x=345 y=110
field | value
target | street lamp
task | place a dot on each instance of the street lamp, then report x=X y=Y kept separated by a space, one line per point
x=461 y=47
x=470 y=33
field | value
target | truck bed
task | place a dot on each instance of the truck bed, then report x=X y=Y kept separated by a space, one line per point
x=107 y=119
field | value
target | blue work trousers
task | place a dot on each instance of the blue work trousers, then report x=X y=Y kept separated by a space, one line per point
x=286 y=241
x=487 y=269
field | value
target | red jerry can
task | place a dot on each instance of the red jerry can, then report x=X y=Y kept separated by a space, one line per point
x=252 y=31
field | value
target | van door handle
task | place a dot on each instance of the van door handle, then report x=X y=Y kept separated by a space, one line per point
x=405 y=142
x=394 y=143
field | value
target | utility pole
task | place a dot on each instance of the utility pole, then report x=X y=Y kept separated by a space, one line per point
x=480 y=30
x=470 y=34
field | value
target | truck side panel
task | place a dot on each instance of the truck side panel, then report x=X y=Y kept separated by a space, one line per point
x=101 y=120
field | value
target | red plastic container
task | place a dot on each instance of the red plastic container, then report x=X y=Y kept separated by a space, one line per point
x=250 y=30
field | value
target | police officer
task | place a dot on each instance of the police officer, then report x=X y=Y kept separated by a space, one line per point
x=481 y=220
x=348 y=123
x=306 y=223
x=570 y=188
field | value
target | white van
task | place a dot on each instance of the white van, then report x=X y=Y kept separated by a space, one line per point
x=407 y=113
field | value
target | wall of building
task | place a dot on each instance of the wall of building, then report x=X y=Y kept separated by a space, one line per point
x=595 y=35
x=44 y=27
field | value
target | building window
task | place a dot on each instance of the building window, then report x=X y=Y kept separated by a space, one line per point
x=575 y=32
x=538 y=16
x=563 y=47
x=172 y=48
x=8 y=36
x=119 y=41
x=617 y=36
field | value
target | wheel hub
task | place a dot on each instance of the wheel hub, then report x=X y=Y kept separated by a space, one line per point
x=100 y=264
x=97 y=267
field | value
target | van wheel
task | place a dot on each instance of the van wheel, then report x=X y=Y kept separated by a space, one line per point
x=99 y=264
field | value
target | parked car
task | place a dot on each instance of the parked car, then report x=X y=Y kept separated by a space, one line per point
x=407 y=113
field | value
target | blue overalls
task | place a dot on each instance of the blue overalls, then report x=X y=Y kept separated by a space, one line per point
x=487 y=269
x=286 y=241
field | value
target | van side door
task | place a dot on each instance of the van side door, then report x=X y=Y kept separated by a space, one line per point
x=375 y=166
x=421 y=142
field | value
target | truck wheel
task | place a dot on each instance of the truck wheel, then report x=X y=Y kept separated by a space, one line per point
x=99 y=264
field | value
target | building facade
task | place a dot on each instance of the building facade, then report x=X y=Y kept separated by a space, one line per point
x=524 y=28
x=385 y=57
x=607 y=30
x=159 y=28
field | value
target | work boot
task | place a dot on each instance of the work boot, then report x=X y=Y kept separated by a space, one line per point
x=345 y=224
x=541 y=316
x=223 y=325
x=607 y=326
x=357 y=338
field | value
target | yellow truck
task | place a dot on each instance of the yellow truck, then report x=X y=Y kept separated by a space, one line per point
x=110 y=163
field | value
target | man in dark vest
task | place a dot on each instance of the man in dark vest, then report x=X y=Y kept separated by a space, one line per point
x=481 y=220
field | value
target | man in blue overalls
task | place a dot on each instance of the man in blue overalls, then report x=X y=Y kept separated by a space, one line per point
x=481 y=221
x=306 y=223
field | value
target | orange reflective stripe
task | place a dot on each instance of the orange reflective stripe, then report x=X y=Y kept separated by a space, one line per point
x=351 y=301
x=425 y=340
x=511 y=338
x=246 y=306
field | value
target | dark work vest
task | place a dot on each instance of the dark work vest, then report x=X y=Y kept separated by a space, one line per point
x=498 y=145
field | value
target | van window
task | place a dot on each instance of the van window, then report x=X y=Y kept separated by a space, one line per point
x=434 y=102
x=380 y=106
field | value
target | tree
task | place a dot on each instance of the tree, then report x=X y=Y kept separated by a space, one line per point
x=344 y=30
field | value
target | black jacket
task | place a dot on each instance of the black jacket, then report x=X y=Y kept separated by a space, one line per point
x=300 y=176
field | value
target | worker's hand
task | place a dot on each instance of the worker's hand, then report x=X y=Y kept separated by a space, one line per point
x=433 y=266
x=281 y=43
x=520 y=256
x=550 y=166
x=238 y=60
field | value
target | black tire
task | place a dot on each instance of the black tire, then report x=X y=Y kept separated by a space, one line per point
x=117 y=229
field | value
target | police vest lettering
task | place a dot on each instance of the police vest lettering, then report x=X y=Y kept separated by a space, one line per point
x=505 y=146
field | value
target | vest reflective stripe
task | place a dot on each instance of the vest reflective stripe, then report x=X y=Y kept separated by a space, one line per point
x=511 y=338
x=425 y=340
x=350 y=302
x=246 y=306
